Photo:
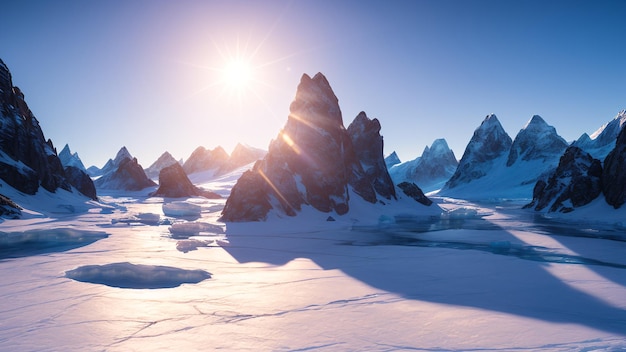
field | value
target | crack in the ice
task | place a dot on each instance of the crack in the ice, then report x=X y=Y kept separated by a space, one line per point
x=234 y=317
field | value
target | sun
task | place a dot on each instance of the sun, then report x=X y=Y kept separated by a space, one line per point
x=237 y=74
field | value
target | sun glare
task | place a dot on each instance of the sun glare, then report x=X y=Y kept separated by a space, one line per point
x=237 y=74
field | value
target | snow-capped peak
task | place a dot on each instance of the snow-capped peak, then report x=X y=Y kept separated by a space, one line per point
x=122 y=154
x=70 y=159
x=537 y=140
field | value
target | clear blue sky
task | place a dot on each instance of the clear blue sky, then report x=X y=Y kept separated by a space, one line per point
x=148 y=74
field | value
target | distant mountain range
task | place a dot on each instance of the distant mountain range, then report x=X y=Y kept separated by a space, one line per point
x=317 y=163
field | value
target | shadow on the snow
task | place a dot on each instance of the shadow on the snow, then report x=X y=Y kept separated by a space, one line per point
x=395 y=259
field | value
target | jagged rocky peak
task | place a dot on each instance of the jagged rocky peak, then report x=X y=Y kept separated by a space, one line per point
x=30 y=160
x=614 y=174
x=71 y=159
x=368 y=147
x=392 y=159
x=439 y=150
x=313 y=162
x=488 y=143
x=315 y=101
x=575 y=182
x=166 y=159
x=128 y=176
x=536 y=141
x=122 y=154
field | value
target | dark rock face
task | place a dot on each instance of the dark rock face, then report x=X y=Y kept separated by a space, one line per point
x=537 y=140
x=614 y=175
x=30 y=160
x=312 y=161
x=251 y=202
x=128 y=176
x=368 y=147
x=174 y=183
x=81 y=181
x=413 y=191
x=576 y=181
x=9 y=209
x=488 y=143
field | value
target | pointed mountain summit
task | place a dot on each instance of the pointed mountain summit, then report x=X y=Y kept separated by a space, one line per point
x=392 y=159
x=602 y=141
x=431 y=170
x=123 y=173
x=536 y=141
x=488 y=143
x=314 y=162
x=166 y=159
x=71 y=159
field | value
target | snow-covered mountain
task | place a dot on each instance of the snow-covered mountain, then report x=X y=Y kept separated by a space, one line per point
x=28 y=161
x=602 y=141
x=123 y=173
x=431 y=170
x=71 y=159
x=202 y=159
x=166 y=159
x=240 y=156
x=315 y=163
x=488 y=144
x=536 y=141
x=219 y=162
x=391 y=160
x=494 y=167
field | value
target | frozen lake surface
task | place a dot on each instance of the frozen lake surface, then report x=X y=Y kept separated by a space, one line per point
x=482 y=277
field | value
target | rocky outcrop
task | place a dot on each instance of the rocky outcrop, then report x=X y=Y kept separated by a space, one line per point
x=81 y=181
x=166 y=159
x=536 y=141
x=614 y=174
x=27 y=159
x=368 y=147
x=313 y=162
x=174 y=183
x=576 y=181
x=413 y=191
x=488 y=143
x=128 y=176
x=9 y=209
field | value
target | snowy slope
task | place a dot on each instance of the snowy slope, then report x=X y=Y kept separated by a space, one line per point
x=600 y=143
